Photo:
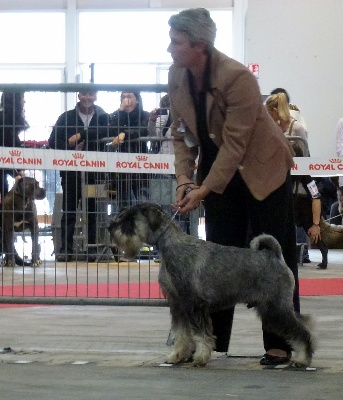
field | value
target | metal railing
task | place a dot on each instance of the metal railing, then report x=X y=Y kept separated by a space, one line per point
x=111 y=279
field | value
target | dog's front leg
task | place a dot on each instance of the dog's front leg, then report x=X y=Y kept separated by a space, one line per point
x=201 y=326
x=184 y=345
x=35 y=261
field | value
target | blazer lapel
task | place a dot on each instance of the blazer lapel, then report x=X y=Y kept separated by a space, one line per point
x=185 y=105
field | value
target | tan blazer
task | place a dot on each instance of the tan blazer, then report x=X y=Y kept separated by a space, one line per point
x=238 y=123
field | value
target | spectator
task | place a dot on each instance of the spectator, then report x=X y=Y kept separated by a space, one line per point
x=244 y=166
x=295 y=114
x=12 y=123
x=84 y=115
x=126 y=127
x=293 y=109
x=278 y=108
x=159 y=125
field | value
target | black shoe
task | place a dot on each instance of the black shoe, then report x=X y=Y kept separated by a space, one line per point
x=91 y=258
x=92 y=254
x=268 y=359
x=306 y=260
x=63 y=258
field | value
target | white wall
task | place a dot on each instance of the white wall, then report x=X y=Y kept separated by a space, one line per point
x=298 y=46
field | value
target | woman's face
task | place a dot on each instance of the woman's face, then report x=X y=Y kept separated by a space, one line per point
x=128 y=101
x=183 y=53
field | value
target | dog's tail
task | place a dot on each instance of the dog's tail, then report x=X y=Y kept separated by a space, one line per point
x=267 y=242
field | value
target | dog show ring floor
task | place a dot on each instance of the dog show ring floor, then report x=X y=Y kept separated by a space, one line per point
x=119 y=352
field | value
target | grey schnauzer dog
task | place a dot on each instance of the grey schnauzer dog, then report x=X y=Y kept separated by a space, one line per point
x=199 y=277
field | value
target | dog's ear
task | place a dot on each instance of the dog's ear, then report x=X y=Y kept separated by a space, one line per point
x=128 y=225
x=154 y=218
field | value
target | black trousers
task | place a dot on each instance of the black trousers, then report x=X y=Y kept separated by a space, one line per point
x=233 y=218
x=72 y=191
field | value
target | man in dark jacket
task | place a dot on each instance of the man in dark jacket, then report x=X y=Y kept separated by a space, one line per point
x=84 y=115
x=127 y=129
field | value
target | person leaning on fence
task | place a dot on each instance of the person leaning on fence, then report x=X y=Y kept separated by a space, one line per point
x=124 y=128
x=309 y=210
x=84 y=115
x=297 y=115
x=293 y=108
x=278 y=108
x=243 y=177
x=159 y=126
x=12 y=123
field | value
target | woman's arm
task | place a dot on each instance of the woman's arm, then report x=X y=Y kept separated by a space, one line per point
x=314 y=230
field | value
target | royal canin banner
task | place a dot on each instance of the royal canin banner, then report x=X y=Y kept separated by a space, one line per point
x=69 y=160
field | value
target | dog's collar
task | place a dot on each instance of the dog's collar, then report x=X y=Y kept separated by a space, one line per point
x=27 y=200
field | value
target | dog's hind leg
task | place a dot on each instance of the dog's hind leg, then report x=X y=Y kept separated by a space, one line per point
x=294 y=329
x=304 y=344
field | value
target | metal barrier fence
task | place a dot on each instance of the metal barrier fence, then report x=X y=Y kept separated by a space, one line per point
x=79 y=264
x=98 y=180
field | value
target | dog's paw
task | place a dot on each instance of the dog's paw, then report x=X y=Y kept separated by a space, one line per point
x=181 y=356
x=300 y=361
x=174 y=358
x=201 y=358
x=298 y=364
x=199 y=362
x=36 y=263
x=10 y=263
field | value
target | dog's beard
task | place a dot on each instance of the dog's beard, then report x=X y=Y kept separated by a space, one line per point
x=130 y=245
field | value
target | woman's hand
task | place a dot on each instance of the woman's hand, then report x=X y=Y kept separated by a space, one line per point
x=153 y=115
x=189 y=196
x=314 y=233
x=125 y=104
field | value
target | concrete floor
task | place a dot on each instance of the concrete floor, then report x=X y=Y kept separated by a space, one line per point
x=113 y=352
